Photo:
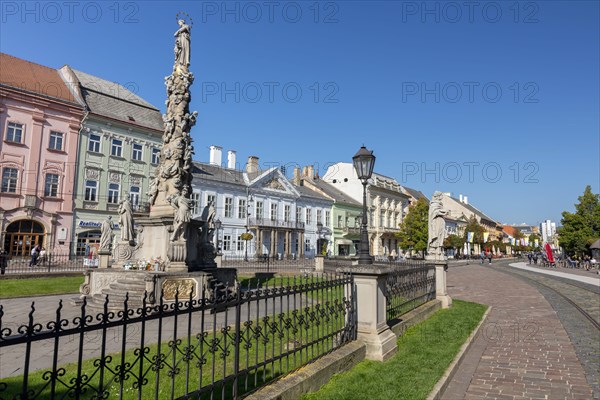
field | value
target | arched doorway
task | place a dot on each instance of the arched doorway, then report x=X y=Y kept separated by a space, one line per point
x=21 y=236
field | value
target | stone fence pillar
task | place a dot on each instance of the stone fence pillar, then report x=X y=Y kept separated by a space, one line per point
x=219 y=260
x=441 y=292
x=319 y=263
x=371 y=305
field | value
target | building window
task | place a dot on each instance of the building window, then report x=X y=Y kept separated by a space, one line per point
x=241 y=208
x=260 y=210
x=197 y=204
x=226 y=242
x=273 y=211
x=298 y=214
x=51 y=186
x=307 y=246
x=319 y=217
x=91 y=190
x=14 y=132
x=340 y=221
x=56 y=141
x=286 y=212
x=211 y=198
x=228 y=207
x=94 y=144
x=308 y=216
x=155 y=155
x=137 y=152
x=381 y=218
x=240 y=244
x=327 y=218
x=113 y=193
x=134 y=196
x=9 y=180
x=116 y=148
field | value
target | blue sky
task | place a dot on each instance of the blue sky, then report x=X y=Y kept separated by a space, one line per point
x=495 y=100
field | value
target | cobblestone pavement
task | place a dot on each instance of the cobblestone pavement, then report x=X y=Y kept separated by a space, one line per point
x=523 y=351
x=584 y=336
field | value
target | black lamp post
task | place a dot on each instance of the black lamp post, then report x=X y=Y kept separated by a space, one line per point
x=364 y=161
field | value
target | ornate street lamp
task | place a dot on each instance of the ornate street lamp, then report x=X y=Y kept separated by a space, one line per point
x=364 y=161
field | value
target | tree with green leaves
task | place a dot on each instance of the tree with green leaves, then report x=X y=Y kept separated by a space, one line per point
x=413 y=229
x=476 y=228
x=454 y=242
x=580 y=229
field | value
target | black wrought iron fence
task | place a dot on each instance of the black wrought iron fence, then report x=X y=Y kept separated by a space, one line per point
x=47 y=263
x=217 y=348
x=406 y=289
x=268 y=263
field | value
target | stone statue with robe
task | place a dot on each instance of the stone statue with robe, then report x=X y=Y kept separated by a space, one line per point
x=126 y=220
x=106 y=234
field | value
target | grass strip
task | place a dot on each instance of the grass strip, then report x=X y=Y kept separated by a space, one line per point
x=12 y=288
x=424 y=353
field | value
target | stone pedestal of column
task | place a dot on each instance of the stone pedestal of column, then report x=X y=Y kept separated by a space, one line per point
x=371 y=304
x=104 y=259
x=441 y=292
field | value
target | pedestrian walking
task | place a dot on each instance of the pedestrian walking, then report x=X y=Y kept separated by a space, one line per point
x=489 y=256
x=482 y=256
x=529 y=257
x=35 y=254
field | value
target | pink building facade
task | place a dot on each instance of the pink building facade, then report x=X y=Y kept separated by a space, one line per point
x=40 y=122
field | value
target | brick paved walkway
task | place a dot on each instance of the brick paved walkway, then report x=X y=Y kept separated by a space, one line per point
x=523 y=352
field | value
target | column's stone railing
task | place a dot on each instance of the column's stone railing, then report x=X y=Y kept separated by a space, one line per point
x=372 y=327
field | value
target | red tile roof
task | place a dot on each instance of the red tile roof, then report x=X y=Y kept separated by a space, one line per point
x=510 y=230
x=25 y=75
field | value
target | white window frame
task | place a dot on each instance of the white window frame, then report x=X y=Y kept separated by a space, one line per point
x=260 y=209
x=197 y=199
x=298 y=214
x=12 y=128
x=113 y=193
x=94 y=146
x=155 y=156
x=226 y=242
x=51 y=185
x=134 y=195
x=273 y=213
x=242 y=208
x=116 y=148
x=56 y=141
x=308 y=216
x=287 y=209
x=10 y=181
x=327 y=218
x=228 y=211
x=91 y=192
x=240 y=244
x=319 y=217
x=137 y=154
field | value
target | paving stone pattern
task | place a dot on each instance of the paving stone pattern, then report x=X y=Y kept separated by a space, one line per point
x=525 y=351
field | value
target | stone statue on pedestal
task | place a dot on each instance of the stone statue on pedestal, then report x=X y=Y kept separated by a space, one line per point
x=126 y=220
x=437 y=227
x=106 y=234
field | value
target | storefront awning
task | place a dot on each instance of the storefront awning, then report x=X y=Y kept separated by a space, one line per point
x=343 y=241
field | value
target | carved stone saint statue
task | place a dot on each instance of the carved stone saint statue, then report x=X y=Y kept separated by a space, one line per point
x=208 y=223
x=183 y=213
x=126 y=220
x=437 y=227
x=182 y=44
x=106 y=234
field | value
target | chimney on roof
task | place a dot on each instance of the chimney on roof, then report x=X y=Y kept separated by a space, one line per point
x=215 y=155
x=465 y=200
x=460 y=198
x=310 y=172
x=252 y=165
x=231 y=159
x=296 y=179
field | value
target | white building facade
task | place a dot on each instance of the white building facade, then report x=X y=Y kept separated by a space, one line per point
x=386 y=202
x=286 y=221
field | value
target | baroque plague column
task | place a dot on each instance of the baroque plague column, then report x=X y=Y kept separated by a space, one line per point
x=169 y=232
